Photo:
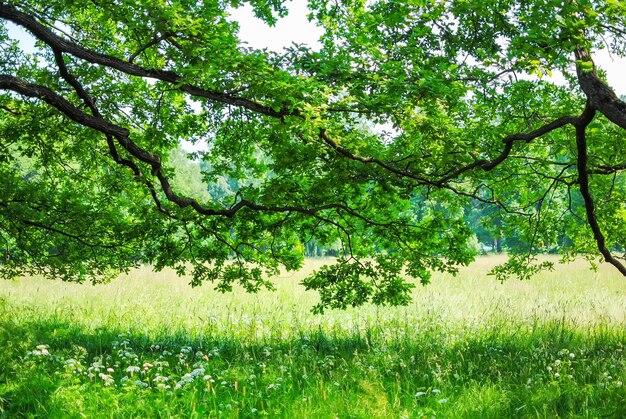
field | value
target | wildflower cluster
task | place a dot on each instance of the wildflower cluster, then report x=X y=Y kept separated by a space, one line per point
x=123 y=368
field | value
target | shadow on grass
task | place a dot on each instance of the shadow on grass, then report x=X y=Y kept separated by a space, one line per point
x=552 y=370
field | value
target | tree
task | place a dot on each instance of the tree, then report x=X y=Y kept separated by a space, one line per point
x=115 y=85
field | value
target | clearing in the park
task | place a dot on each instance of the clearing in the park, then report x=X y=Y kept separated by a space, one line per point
x=150 y=346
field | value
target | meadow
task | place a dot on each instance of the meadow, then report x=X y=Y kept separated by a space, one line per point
x=148 y=345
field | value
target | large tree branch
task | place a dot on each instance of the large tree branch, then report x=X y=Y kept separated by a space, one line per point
x=601 y=97
x=583 y=181
x=48 y=37
x=59 y=44
x=483 y=164
x=98 y=123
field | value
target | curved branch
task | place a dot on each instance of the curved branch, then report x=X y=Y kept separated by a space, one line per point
x=48 y=37
x=508 y=141
x=90 y=103
x=583 y=181
x=57 y=43
x=601 y=97
x=111 y=130
x=484 y=164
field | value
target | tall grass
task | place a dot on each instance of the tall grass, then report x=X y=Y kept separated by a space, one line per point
x=149 y=345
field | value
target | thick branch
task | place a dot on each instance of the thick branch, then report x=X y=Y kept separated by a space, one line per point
x=45 y=35
x=583 y=181
x=601 y=97
x=122 y=135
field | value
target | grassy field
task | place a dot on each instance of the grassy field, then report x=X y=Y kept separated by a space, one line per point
x=148 y=345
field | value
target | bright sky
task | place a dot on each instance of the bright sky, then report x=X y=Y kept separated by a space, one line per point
x=293 y=28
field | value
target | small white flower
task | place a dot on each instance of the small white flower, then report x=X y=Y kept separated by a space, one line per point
x=420 y=394
x=107 y=379
x=442 y=401
x=160 y=379
x=436 y=391
x=133 y=369
x=43 y=349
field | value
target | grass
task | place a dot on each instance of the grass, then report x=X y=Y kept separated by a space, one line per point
x=147 y=345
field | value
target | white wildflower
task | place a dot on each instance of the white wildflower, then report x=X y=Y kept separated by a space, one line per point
x=133 y=369
x=107 y=379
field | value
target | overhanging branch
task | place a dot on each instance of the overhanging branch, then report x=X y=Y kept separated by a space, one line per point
x=51 y=39
x=583 y=181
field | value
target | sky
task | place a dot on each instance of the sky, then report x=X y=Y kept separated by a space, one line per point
x=295 y=28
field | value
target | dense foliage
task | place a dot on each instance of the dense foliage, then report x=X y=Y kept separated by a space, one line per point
x=375 y=143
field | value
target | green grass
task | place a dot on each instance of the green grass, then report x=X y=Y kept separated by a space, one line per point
x=466 y=347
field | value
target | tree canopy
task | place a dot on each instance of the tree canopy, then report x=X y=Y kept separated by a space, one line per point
x=374 y=143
